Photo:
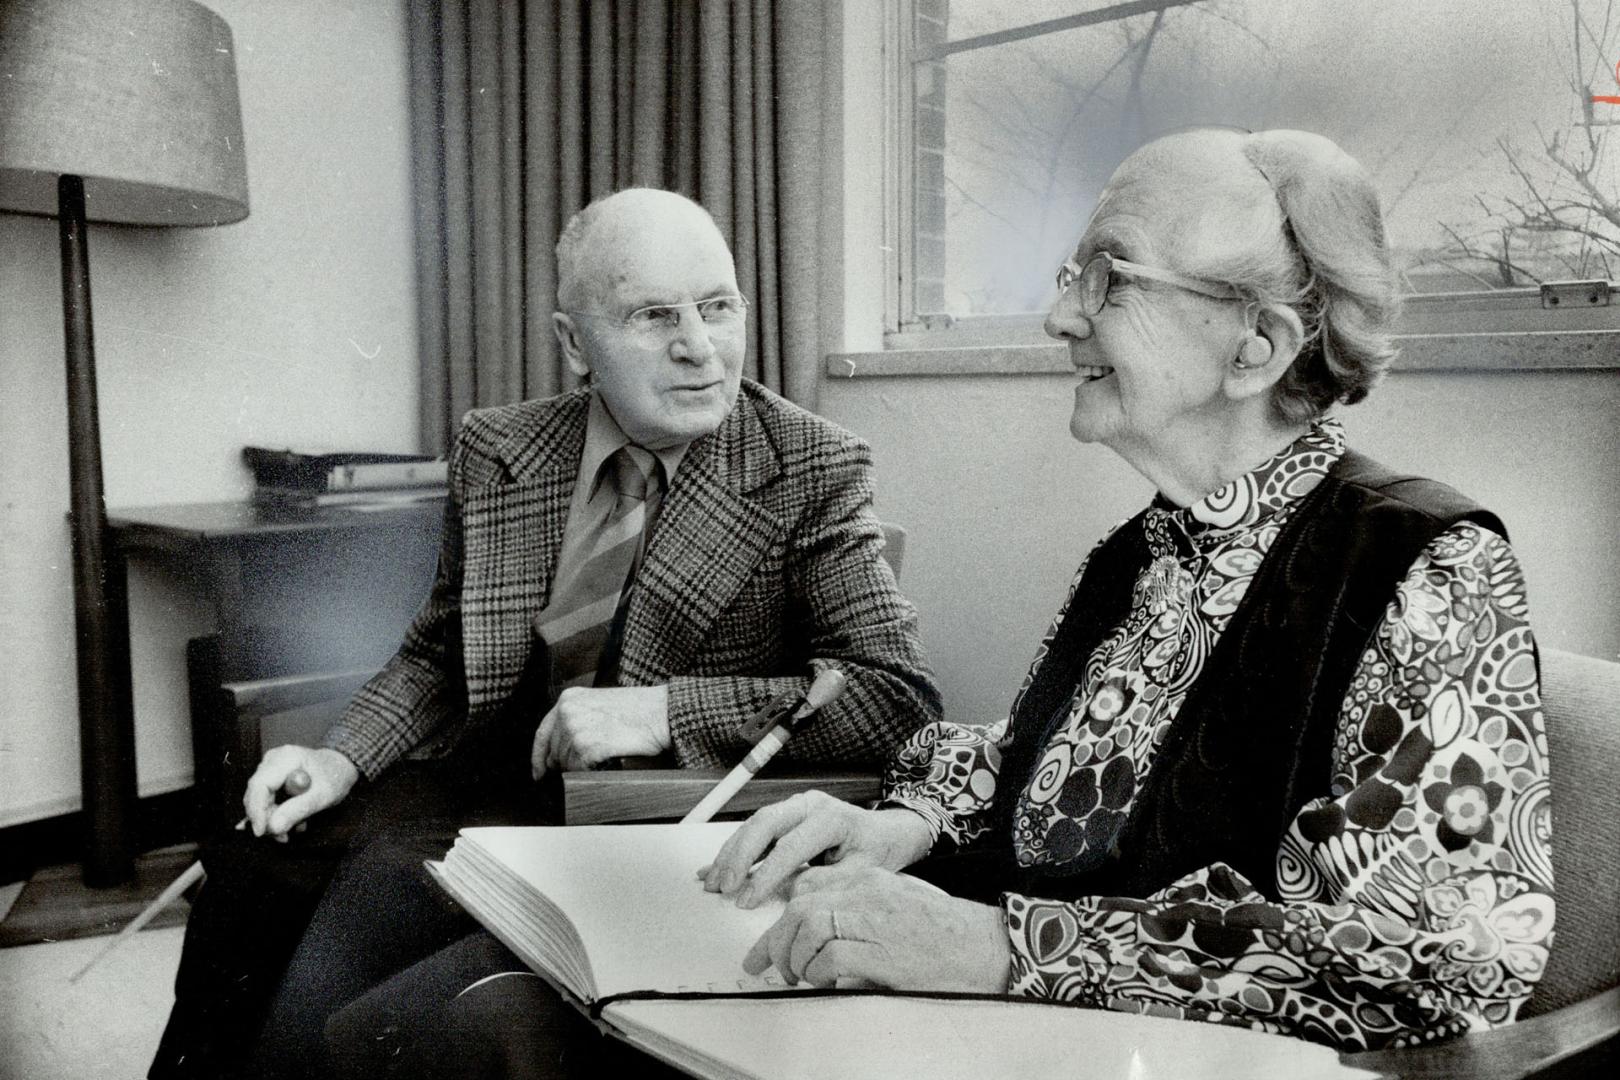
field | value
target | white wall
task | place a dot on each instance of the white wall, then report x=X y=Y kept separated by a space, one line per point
x=295 y=327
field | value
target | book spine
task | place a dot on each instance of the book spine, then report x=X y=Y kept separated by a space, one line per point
x=388 y=474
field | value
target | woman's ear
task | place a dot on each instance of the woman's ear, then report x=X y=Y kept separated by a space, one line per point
x=572 y=345
x=1266 y=353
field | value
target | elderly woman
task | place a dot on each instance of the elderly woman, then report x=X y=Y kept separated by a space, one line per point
x=1279 y=761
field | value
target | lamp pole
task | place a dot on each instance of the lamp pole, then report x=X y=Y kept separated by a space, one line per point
x=100 y=586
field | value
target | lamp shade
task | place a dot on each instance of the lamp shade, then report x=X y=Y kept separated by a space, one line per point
x=138 y=97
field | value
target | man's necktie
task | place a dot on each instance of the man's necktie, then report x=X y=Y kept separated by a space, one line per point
x=577 y=621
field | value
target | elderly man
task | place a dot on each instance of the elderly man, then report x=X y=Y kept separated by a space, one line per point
x=628 y=569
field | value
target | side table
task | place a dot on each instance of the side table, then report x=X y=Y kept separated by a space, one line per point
x=293 y=590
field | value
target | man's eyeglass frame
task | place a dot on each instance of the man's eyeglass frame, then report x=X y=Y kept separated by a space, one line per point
x=1095 y=283
x=669 y=319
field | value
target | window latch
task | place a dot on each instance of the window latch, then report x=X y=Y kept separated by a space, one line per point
x=1575 y=294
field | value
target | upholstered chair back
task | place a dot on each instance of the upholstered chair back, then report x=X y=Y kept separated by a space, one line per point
x=1581 y=700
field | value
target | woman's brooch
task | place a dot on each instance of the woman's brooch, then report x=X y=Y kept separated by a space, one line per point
x=1164 y=583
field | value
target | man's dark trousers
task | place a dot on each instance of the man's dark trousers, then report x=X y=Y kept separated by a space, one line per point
x=365 y=855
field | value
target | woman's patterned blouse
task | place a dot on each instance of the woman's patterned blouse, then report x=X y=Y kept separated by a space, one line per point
x=1416 y=893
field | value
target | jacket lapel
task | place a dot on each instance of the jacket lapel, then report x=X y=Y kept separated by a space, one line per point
x=709 y=539
x=513 y=531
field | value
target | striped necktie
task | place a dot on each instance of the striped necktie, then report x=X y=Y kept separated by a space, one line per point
x=576 y=623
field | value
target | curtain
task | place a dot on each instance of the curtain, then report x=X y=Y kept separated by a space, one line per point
x=525 y=110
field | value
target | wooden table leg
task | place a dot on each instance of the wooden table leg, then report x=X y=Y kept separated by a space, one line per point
x=236 y=736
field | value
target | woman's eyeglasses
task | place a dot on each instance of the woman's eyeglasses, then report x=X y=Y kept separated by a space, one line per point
x=1090 y=283
x=659 y=323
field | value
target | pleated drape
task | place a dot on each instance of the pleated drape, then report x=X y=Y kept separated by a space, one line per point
x=525 y=110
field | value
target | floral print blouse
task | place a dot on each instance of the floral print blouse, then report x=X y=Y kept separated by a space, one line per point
x=1416 y=893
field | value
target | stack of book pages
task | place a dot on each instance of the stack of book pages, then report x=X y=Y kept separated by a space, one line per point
x=291 y=478
x=603 y=910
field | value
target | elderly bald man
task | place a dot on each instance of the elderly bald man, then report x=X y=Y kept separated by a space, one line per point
x=631 y=568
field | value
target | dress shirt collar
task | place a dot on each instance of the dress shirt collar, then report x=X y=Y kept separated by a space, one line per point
x=603 y=437
x=1262 y=493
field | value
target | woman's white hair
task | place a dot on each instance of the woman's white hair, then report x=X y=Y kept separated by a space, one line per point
x=1329 y=261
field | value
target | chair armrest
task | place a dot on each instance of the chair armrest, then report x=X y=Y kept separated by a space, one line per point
x=1528 y=1048
x=258 y=698
x=591 y=798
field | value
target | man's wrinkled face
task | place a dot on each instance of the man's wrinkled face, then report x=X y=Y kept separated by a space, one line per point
x=666 y=363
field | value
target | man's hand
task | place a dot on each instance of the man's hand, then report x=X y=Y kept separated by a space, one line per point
x=331 y=777
x=885 y=928
x=806 y=825
x=589 y=725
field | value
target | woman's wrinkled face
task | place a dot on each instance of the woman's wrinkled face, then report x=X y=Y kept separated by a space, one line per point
x=1151 y=361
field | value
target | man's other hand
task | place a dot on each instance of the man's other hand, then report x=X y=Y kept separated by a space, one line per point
x=331 y=777
x=589 y=725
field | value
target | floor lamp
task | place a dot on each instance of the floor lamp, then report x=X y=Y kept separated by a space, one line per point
x=120 y=111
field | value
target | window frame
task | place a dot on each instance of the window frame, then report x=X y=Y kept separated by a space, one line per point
x=1495 y=330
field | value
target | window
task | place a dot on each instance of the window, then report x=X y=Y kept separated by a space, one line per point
x=1483 y=123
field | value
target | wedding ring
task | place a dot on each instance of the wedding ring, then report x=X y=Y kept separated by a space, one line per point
x=836 y=934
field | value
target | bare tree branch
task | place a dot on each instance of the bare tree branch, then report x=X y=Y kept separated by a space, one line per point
x=1215 y=13
x=1559 y=216
x=966 y=194
x=1504 y=264
x=1581 y=173
x=1463 y=270
x=1133 y=96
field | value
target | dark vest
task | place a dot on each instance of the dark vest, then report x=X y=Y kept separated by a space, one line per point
x=1254 y=739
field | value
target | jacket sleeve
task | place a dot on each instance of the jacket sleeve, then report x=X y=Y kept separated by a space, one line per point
x=1416 y=897
x=947 y=772
x=422 y=688
x=845 y=606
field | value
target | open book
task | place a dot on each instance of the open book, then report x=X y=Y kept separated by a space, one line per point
x=608 y=909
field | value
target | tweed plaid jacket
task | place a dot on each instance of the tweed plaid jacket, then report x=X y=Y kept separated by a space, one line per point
x=764 y=566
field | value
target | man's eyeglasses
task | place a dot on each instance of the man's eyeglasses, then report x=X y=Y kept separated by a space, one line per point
x=1090 y=283
x=659 y=323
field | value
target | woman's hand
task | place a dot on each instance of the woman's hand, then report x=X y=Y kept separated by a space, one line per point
x=885 y=928
x=806 y=825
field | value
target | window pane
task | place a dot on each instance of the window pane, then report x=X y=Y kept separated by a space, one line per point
x=1475 y=118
